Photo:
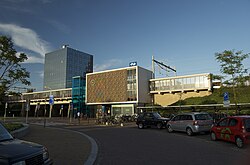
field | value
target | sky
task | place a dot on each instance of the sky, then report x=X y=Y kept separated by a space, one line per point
x=183 y=34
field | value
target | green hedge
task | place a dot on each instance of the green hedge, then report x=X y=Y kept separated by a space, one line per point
x=12 y=126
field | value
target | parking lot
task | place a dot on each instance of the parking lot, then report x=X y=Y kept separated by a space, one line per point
x=130 y=145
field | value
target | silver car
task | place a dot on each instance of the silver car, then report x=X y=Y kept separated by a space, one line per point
x=193 y=122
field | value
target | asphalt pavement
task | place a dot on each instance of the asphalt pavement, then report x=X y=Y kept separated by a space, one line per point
x=68 y=144
x=65 y=146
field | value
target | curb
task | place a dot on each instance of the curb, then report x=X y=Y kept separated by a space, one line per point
x=94 y=147
x=94 y=150
x=92 y=156
x=21 y=132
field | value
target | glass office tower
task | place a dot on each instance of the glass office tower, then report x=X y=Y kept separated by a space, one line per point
x=63 y=64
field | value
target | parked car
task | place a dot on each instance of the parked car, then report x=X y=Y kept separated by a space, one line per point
x=217 y=116
x=193 y=122
x=152 y=119
x=234 y=129
x=18 y=152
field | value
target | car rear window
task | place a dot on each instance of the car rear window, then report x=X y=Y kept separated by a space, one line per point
x=247 y=125
x=202 y=117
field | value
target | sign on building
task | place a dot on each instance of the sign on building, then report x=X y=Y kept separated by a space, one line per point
x=133 y=64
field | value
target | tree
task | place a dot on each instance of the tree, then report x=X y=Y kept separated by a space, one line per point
x=232 y=66
x=217 y=77
x=11 y=71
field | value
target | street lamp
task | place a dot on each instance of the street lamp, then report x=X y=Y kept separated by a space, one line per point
x=45 y=110
x=27 y=110
x=5 y=109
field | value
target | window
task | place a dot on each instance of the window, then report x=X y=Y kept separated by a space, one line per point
x=148 y=116
x=157 y=115
x=223 y=123
x=176 y=118
x=183 y=117
x=247 y=124
x=131 y=85
x=116 y=110
x=232 y=122
x=203 y=117
x=189 y=117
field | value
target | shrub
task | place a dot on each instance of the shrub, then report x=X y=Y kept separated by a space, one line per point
x=12 y=126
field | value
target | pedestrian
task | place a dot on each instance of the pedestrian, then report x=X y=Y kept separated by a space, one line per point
x=78 y=116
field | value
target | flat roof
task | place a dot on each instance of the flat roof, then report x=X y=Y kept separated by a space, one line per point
x=112 y=70
x=184 y=76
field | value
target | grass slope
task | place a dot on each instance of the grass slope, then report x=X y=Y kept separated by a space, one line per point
x=243 y=96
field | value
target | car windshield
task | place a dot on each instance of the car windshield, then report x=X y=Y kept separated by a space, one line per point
x=157 y=115
x=203 y=117
x=247 y=124
x=4 y=134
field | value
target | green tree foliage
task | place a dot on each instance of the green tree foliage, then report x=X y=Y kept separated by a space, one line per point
x=232 y=66
x=217 y=77
x=11 y=71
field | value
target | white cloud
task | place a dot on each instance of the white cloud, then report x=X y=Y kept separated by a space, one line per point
x=26 y=39
x=110 y=64
x=33 y=59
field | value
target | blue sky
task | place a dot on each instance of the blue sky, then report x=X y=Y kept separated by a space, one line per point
x=184 y=34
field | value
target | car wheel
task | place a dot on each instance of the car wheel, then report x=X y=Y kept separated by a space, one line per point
x=169 y=129
x=140 y=126
x=159 y=125
x=189 y=131
x=239 y=142
x=213 y=136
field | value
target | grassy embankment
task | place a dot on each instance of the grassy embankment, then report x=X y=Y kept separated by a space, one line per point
x=243 y=96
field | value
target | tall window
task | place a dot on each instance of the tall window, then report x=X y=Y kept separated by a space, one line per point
x=131 y=85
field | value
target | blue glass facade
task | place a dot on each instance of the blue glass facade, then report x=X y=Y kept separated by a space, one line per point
x=63 y=64
x=78 y=95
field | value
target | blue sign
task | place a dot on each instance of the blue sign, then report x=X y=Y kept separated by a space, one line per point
x=226 y=96
x=51 y=99
x=133 y=64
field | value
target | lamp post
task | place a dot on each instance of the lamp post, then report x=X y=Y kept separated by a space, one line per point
x=27 y=110
x=44 y=123
x=5 y=109
x=51 y=100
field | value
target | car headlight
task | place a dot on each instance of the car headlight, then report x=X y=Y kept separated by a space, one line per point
x=45 y=153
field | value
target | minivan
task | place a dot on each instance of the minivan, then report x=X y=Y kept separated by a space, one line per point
x=193 y=122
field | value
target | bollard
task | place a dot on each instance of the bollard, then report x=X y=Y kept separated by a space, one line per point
x=44 y=122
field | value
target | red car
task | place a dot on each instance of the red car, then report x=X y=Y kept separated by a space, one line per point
x=233 y=129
